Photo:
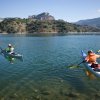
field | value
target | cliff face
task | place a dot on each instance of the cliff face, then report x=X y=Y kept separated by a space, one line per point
x=42 y=16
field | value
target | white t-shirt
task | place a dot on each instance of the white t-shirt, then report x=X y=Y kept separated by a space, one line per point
x=12 y=50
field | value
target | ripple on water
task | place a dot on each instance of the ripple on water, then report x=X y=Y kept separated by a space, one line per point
x=43 y=75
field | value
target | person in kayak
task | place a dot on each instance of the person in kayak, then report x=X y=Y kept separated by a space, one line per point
x=10 y=49
x=92 y=59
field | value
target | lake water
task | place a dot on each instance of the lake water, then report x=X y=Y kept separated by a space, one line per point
x=43 y=75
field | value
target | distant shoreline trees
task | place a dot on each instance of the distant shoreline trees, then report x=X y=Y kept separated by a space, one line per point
x=31 y=25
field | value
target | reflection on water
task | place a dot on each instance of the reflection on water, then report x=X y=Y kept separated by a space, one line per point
x=43 y=75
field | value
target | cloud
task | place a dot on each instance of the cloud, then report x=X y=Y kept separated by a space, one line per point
x=98 y=10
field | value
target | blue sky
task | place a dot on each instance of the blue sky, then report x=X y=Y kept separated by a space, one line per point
x=68 y=10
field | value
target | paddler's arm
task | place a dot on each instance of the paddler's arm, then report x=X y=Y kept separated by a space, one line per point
x=98 y=56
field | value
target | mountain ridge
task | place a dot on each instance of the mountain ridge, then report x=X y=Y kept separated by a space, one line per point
x=94 y=22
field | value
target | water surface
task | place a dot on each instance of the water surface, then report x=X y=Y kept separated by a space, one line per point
x=43 y=75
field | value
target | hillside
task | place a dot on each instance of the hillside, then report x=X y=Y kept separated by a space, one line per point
x=1 y=19
x=42 y=23
x=90 y=22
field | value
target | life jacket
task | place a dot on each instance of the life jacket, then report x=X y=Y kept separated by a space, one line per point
x=91 y=58
x=8 y=49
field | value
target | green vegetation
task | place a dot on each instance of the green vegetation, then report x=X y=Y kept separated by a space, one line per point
x=13 y=25
x=18 y=25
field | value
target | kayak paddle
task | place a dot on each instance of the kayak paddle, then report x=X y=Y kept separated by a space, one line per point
x=76 y=66
x=81 y=62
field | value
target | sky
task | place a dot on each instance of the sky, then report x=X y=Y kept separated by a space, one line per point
x=68 y=10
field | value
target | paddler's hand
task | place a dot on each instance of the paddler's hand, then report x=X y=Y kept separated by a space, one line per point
x=98 y=51
x=84 y=61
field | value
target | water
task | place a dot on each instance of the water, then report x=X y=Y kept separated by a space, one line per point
x=43 y=75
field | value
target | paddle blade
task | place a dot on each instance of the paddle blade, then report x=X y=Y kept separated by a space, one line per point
x=73 y=67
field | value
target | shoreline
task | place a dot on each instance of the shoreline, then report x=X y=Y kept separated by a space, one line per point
x=52 y=33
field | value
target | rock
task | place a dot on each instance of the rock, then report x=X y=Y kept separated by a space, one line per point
x=15 y=95
x=38 y=97
x=73 y=94
x=61 y=81
x=35 y=91
x=46 y=92
x=97 y=95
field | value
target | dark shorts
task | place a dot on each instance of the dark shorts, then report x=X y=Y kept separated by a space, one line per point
x=95 y=66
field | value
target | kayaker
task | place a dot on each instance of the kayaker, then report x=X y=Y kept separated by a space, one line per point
x=92 y=59
x=10 y=49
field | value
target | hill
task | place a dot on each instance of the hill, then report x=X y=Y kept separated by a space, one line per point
x=42 y=23
x=90 y=22
x=1 y=19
